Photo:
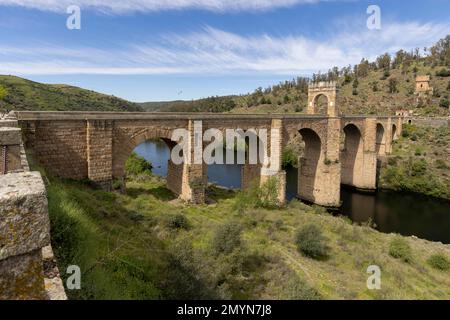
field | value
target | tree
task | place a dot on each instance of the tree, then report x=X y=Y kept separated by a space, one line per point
x=393 y=82
x=384 y=61
x=3 y=93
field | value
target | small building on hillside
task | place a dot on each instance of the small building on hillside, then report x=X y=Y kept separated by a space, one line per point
x=423 y=88
x=404 y=113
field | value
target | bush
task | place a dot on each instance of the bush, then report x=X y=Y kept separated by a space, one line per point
x=227 y=237
x=443 y=73
x=289 y=158
x=177 y=221
x=418 y=168
x=136 y=165
x=311 y=242
x=400 y=249
x=439 y=261
x=298 y=289
x=265 y=196
x=444 y=103
x=268 y=194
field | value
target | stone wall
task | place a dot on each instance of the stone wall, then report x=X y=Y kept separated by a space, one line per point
x=95 y=146
x=24 y=226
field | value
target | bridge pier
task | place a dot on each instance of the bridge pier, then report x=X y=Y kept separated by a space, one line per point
x=100 y=152
x=319 y=171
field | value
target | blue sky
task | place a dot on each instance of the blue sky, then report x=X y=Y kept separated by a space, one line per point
x=152 y=50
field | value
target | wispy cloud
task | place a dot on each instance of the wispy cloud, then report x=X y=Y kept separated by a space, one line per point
x=121 y=6
x=214 y=51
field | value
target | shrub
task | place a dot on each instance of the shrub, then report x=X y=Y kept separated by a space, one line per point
x=289 y=158
x=136 y=165
x=400 y=249
x=265 y=196
x=439 y=261
x=311 y=242
x=268 y=194
x=177 y=221
x=298 y=289
x=443 y=73
x=444 y=103
x=227 y=237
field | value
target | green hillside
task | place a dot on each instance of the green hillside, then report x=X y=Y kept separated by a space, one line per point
x=378 y=87
x=22 y=94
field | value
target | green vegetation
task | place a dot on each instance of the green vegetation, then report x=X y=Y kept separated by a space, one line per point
x=311 y=242
x=298 y=289
x=439 y=262
x=137 y=165
x=265 y=196
x=29 y=95
x=419 y=162
x=400 y=249
x=145 y=244
x=177 y=221
x=289 y=157
x=227 y=238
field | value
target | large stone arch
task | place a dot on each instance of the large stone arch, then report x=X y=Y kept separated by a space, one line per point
x=394 y=133
x=125 y=142
x=352 y=156
x=380 y=142
x=309 y=166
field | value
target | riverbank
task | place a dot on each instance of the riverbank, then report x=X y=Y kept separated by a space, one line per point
x=146 y=244
x=419 y=162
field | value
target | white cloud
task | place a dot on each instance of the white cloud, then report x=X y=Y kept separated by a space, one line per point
x=213 y=51
x=122 y=6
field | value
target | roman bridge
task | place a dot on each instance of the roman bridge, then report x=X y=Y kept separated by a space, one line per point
x=96 y=145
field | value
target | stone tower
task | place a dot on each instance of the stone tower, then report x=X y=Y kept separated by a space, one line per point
x=423 y=88
x=327 y=89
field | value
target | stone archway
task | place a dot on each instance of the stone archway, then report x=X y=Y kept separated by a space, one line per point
x=394 y=132
x=352 y=156
x=317 y=90
x=380 y=146
x=125 y=142
x=309 y=165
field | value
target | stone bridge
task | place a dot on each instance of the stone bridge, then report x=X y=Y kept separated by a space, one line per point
x=95 y=146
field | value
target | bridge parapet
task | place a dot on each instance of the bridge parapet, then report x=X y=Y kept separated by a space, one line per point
x=24 y=225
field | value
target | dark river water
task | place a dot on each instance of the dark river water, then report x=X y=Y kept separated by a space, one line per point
x=406 y=214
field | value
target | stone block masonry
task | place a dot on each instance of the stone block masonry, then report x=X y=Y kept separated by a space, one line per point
x=24 y=231
x=24 y=226
x=95 y=146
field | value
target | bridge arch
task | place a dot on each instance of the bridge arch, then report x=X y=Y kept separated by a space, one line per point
x=352 y=156
x=124 y=145
x=394 y=133
x=380 y=144
x=309 y=165
x=321 y=103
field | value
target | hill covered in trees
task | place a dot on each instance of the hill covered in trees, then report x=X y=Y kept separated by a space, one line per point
x=22 y=94
x=378 y=87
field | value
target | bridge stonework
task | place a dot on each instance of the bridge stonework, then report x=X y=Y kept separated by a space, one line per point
x=95 y=146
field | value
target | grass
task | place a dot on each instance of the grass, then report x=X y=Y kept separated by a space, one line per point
x=400 y=249
x=126 y=249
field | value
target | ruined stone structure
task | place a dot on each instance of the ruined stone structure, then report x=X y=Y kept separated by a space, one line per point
x=423 y=88
x=95 y=146
x=26 y=258
x=323 y=89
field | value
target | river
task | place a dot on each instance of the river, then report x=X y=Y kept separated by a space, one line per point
x=406 y=214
